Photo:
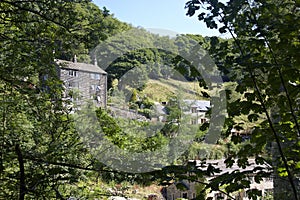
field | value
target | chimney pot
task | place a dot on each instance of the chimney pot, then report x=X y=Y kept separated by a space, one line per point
x=95 y=62
x=75 y=59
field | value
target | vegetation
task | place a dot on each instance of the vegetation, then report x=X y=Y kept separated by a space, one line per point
x=268 y=79
x=42 y=154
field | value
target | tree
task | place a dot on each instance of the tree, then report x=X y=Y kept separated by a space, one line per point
x=40 y=150
x=262 y=58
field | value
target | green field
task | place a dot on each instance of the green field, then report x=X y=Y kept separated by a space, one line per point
x=161 y=89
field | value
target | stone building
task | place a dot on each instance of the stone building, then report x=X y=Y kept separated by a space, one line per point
x=83 y=82
x=189 y=191
x=196 y=110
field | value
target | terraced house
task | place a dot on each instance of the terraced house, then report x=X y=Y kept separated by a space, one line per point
x=83 y=82
x=190 y=190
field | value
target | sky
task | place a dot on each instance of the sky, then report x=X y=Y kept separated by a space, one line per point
x=169 y=15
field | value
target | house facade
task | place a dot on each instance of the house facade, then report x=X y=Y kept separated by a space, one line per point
x=196 y=110
x=83 y=82
x=187 y=191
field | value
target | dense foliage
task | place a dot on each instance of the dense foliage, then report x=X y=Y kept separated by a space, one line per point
x=262 y=58
x=41 y=153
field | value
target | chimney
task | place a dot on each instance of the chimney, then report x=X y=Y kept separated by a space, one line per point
x=75 y=59
x=95 y=62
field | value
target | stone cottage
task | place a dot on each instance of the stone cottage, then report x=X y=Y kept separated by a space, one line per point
x=189 y=191
x=197 y=110
x=83 y=82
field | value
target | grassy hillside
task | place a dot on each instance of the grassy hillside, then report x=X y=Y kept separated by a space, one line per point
x=159 y=90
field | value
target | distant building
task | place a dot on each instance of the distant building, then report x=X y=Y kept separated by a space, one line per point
x=172 y=192
x=189 y=192
x=83 y=82
x=197 y=110
x=160 y=112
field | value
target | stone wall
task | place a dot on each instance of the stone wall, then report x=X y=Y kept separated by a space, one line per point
x=81 y=86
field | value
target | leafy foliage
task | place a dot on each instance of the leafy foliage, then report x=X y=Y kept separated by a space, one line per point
x=40 y=150
x=267 y=76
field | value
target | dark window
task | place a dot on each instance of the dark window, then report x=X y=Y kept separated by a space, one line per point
x=219 y=196
x=194 y=109
x=184 y=195
x=73 y=84
x=98 y=88
x=95 y=88
x=73 y=73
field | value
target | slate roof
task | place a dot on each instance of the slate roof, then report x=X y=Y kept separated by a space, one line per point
x=220 y=164
x=159 y=109
x=201 y=105
x=80 y=66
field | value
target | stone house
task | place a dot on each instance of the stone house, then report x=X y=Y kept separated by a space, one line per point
x=196 y=110
x=189 y=192
x=83 y=82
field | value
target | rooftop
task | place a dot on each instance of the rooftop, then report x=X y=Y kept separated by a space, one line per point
x=80 y=66
x=220 y=164
x=202 y=105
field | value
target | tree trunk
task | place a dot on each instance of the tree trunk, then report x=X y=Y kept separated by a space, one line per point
x=22 y=190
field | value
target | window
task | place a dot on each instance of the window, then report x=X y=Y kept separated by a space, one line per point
x=219 y=196
x=98 y=99
x=184 y=195
x=95 y=88
x=98 y=88
x=73 y=84
x=203 y=121
x=95 y=76
x=268 y=179
x=73 y=73
x=194 y=109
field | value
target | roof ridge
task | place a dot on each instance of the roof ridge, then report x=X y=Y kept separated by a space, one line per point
x=80 y=66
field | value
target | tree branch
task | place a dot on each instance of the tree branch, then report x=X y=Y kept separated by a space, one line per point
x=22 y=189
x=277 y=139
x=36 y=13
x=66 y=165
x=279 y=72
x=219 y=190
